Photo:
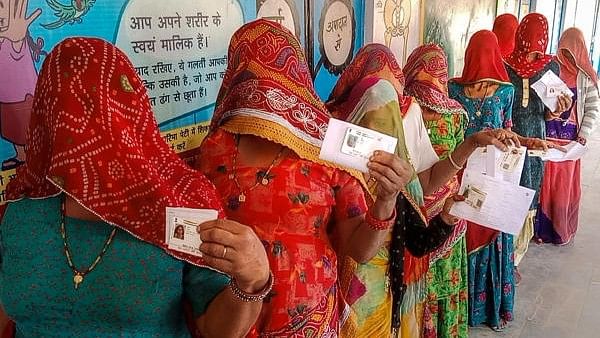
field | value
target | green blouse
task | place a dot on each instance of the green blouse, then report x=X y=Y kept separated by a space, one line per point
x=135 y=291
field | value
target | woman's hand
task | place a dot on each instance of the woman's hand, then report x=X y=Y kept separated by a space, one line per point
x=501 y=138
x=445 y=214
x=539 y=144
x=391 y=173
x=235 y=249
x=564 y=103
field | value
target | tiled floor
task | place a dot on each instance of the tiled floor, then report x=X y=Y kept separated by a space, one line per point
x=559 y=296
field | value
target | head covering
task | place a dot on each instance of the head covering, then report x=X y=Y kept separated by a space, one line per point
x=573 y=42
x=93 y=136
x=384 y=107
x=426 y=72
x=532 y=37
x=505 y=28
x=373 y=60
x=483 y=60
x=267 y=91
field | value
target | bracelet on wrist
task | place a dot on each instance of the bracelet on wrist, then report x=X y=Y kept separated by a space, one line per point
x=252 y=297
x=380 y=225
x=456 y=166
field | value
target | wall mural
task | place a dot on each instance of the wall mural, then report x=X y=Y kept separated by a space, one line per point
x=397 y=24
x=289 y=13
x=179 y=50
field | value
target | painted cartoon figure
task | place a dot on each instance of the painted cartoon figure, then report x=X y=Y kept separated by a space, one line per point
x=18 y=75
x=396 y=16
x=68 y=14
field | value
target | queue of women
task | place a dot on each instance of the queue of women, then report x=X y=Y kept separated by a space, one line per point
x=302 y=248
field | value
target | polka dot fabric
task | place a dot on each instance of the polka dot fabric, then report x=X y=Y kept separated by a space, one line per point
x=93 y=135
x=532 y=37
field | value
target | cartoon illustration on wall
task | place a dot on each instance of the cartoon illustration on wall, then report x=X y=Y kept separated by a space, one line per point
x=396 y=17
x=337 y=27
x=283 y=12
x=18 y=53
x=68 y=14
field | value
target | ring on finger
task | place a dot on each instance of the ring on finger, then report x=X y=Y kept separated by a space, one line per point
x=224 y=252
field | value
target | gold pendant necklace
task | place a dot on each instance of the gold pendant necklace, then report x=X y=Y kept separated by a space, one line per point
x=79 y=275
x=478 y=112
x=263 y=179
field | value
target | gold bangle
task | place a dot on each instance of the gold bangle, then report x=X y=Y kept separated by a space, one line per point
x=456 y=166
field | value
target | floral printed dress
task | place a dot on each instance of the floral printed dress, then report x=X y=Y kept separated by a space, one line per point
x=491 y=267
x=292 y=214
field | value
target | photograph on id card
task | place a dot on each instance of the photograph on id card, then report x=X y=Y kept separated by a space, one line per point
x=474 y=197
x=359 y=144
x=184 y=237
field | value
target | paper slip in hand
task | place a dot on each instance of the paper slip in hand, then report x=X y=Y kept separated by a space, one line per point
x=181 y=232
x=549 y=88
x=477 y=162
x=351 y=146
x=575 y=151
x=493 y=203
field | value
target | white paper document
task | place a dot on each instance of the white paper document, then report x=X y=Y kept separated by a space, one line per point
x=351 y=146
x=493 y=203
x=575 y=151
x=549 y=88
x=477 y=162
x=507 y=166
x=181 y=232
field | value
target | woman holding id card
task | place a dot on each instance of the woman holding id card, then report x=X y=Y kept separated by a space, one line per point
x=262 y=154
x=370 y=93
x=82 y=240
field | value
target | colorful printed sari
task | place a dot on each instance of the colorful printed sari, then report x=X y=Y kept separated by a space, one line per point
x=446 y=309
x=368 y=94
x=293 y=207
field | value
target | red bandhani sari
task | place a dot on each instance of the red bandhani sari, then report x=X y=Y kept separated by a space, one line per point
x=531 y=37
x=93 y=136
x=295 y=206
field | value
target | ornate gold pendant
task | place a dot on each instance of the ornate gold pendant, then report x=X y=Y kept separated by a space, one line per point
x=242 y=198
x=478 y=113
x=77 y=279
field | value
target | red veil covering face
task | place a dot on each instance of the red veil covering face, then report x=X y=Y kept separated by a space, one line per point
x=532 y=37
x=483 y=60
x=93 y=136
x=505 y=28
x=572 y=42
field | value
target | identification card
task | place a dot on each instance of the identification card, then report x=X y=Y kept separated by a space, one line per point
x=181 y=232
x=359 y=144
x=474 y=197
x=510 y=159
x=351 y=146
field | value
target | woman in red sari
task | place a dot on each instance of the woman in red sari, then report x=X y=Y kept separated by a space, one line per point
x=262 y=155
x=82 y=240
